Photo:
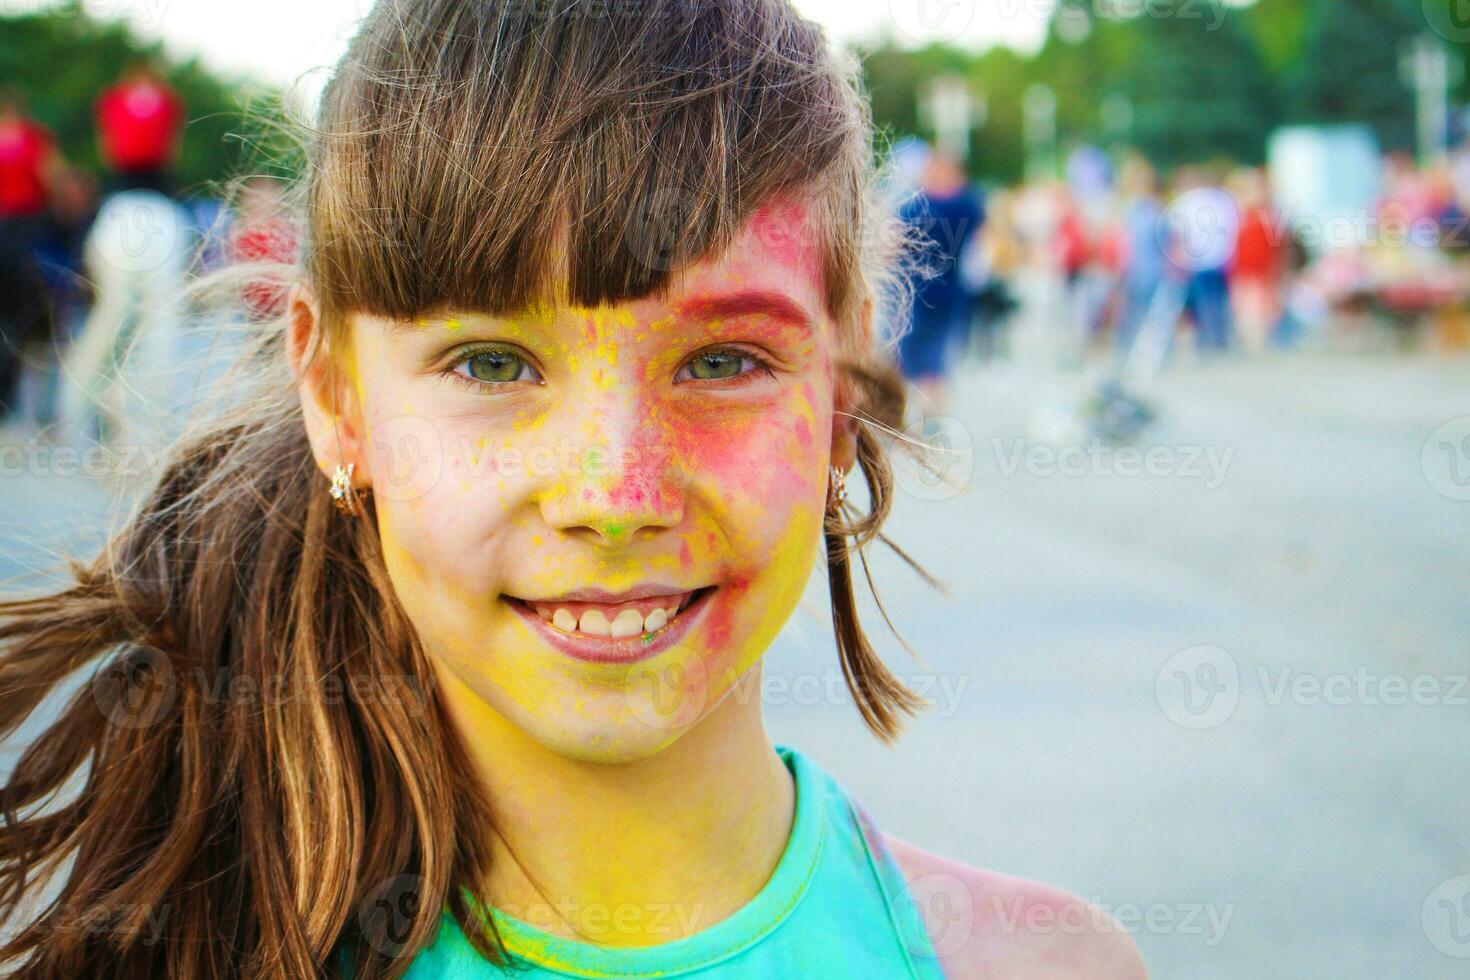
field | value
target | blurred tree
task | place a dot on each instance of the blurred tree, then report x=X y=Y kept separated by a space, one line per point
x=999 y=151
x=1183 y=82
x=1278 y=28
x=1087 y=57
x=1449 y=20
x=1198 y=84
x=1350 y=67
x=896 y=79
x=62 y=59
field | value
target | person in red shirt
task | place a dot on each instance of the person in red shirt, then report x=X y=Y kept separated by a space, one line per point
x=139 y=121
x=28 y=161
x=28 y=165
x=1255 y=268
x=262 y=233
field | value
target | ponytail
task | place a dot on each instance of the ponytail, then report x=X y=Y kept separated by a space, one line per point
x=256 y=779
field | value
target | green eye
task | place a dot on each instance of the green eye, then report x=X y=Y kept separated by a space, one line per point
x=497 y=366
x=712 y=365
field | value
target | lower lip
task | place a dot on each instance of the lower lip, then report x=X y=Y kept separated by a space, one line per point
x=623 y=650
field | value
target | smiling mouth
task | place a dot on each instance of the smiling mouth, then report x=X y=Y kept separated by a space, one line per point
x=646 y=617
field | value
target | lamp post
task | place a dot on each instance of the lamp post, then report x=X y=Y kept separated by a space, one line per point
x=951 y=109
x=1039 y=129
x=1426 y=66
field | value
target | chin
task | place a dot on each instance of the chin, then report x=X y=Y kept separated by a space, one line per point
x=610 y=741
x=641 y=713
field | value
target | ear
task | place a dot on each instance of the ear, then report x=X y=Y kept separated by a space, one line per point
x=844 y=426
x=844 y=443
x=328 y=403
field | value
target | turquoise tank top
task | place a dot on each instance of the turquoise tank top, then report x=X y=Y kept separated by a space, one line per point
x=836 y=906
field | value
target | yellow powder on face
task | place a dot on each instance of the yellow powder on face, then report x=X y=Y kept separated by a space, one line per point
x=784 y=579
x=596 y=341
x=604 y=324
x=351 y=366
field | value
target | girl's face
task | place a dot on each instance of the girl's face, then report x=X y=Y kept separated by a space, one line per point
x=598 y=519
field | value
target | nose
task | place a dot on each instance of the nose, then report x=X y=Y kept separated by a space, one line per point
x=624 y=483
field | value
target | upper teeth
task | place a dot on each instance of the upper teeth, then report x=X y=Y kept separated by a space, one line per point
x=628 y=622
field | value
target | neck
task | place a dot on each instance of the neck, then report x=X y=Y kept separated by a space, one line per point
x=636 y=853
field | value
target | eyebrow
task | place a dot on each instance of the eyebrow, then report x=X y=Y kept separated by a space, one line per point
x=745 y=303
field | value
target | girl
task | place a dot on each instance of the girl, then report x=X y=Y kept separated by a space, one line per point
x=433 y=657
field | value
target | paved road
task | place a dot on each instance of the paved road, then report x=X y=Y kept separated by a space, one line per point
x=1295 y=824
x=1174 y=691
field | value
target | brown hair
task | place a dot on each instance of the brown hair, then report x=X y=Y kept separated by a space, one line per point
x=484 y=155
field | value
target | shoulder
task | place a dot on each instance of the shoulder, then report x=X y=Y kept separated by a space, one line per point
x=995 y=926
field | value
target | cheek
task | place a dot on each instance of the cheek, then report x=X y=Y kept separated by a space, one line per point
x=758 y=462
x=763 y=474
x=441 y=504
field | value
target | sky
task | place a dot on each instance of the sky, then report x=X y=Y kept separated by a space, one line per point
x=295 y=41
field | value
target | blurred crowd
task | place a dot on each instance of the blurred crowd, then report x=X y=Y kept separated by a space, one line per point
x=1117 y=262
x=86 y=257
x=1134 y=263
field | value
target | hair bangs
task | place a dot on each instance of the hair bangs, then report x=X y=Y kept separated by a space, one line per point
x=476 y=170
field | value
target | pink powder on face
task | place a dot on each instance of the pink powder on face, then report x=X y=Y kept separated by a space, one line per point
x=788 y=235
x=645 y=482
x=804 y=434
x=720 y=621
x=751 y=454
